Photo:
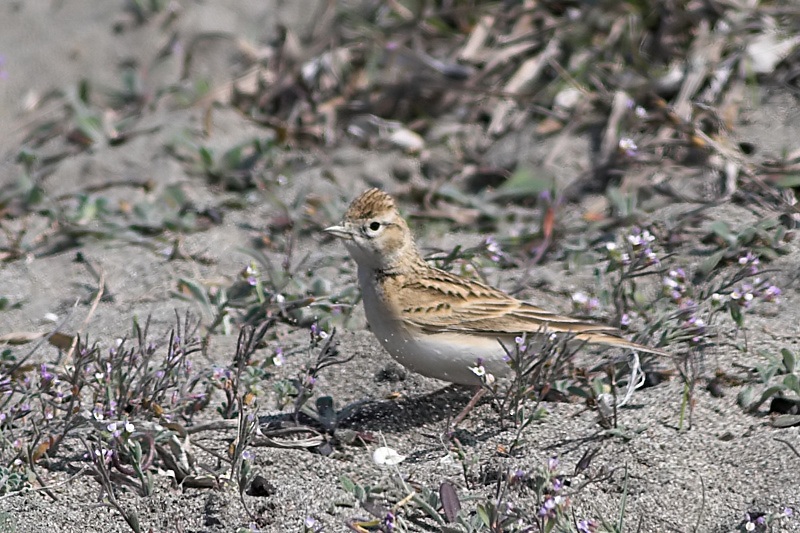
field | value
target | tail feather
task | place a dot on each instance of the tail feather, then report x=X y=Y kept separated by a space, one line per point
x=619 y=342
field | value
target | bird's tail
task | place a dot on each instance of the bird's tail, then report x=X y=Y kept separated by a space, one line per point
x=609 y=339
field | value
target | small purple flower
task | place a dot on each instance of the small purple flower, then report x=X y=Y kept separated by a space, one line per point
x=749 y=259
x=278 y=359
x=493 y=247
x=115 y=429
x=45 y=375
x=650 y=257
x=788 y=512
x=625 y=320
x=542 y=511
x=628 y=146
x=388 y=521
x=558 y=484
x=552 y=463
x=639 y=238
x=771 y=294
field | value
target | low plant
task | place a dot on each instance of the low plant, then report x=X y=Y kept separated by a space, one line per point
x=788 y=387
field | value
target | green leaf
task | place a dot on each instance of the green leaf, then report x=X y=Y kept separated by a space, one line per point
x=785 y=421
x=206 y=158
x=484 y=515
x=711 y=262
x=745 y=397
x=792 y=383
x=766 y=395
x=789 y=360
x=347 y=484
x=737 y=315
x=792 y=180
x=524 y=182
x=199 y=293
x=723 y=231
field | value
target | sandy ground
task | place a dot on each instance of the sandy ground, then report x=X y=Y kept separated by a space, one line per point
x=704 y=479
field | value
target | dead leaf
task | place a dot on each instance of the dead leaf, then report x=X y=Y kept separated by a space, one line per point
x=61 y=340
x=548 y=126
x=20 y=337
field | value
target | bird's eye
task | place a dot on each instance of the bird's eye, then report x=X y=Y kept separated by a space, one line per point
x=374 y=225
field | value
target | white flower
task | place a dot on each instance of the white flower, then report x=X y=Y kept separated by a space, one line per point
x=387 y=456
x=611 y=246
x=129 y=427
x=627 y=145
x=671 y=283
x=479 y=370
x=580 y=298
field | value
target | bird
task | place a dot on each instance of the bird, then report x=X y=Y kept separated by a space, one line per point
x=436 y=323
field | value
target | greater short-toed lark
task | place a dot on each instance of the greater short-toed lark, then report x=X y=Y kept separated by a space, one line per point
x=433 y=322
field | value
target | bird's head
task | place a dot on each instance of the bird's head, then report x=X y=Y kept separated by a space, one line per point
x=374 y=233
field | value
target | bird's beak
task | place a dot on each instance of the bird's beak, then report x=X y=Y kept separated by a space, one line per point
x=339 y=231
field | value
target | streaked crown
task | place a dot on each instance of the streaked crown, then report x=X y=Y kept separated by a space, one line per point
x=371 y=203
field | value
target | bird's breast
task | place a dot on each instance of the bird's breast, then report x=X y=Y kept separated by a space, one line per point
x=447 y=356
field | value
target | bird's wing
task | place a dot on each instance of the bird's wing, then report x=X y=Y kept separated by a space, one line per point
x=471 y=307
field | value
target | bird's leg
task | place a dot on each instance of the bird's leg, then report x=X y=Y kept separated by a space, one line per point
x=470 y=406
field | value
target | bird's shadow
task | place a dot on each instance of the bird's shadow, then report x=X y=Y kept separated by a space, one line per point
x=389 y=416
x=406 y=413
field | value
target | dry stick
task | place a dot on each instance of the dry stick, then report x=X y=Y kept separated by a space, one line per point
x=702 y=503
x=100 y=290
x=789 y=444
x=41 y=341
x=213 y=426
x=522 y=80
x=610 y=144
x=477 y=39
